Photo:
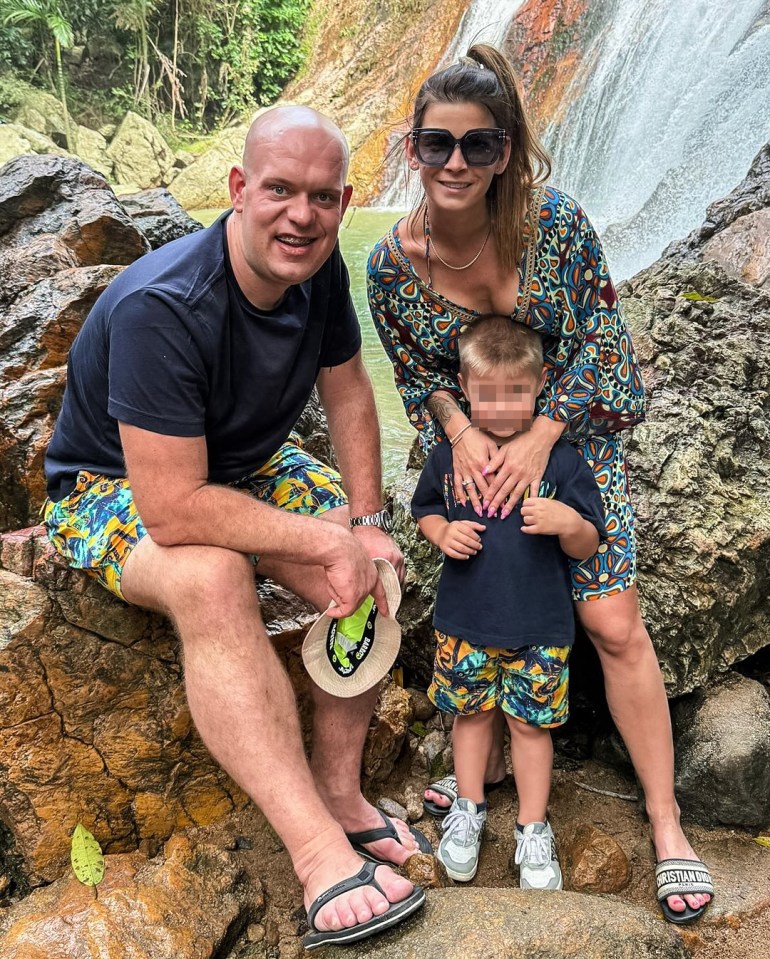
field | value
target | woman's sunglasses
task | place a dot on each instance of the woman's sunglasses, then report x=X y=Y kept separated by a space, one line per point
x=481 y=147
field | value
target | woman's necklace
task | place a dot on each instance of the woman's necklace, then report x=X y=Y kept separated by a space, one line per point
x=429 y=243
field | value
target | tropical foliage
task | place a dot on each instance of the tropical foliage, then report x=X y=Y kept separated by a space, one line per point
x=199 y=63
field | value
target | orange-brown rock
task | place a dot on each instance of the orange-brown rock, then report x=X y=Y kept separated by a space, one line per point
x=189 y=903
x=425 y=871
x=363 y=69
x=594 y=861
x=388 y=732
x=546 y=42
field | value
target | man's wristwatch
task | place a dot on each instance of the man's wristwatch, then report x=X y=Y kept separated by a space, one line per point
x=382 y=520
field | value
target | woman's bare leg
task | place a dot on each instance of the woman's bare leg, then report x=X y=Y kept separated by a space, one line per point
x=638 y=704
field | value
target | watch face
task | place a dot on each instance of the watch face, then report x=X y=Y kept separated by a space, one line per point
x=387 y=521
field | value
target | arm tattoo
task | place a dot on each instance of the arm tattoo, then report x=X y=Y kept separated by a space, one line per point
x=442 y=406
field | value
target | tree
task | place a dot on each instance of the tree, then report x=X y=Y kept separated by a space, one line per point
x=47 y=14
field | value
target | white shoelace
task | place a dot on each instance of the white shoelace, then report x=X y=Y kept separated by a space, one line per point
x=463 y=827
x=534 y=849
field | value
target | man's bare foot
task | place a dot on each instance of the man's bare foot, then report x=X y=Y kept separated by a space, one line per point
x=329 y=859
x=364 y=817
x=670 y=842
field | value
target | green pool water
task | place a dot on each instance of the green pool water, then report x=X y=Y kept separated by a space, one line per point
x=360 y=230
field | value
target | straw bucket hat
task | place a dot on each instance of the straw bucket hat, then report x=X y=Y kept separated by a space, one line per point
x=345 y=657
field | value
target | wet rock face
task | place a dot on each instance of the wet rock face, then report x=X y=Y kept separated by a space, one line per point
x=723 y=774
x=189 y=903
x=736 y=231
x=159 y=216
x=63 y=238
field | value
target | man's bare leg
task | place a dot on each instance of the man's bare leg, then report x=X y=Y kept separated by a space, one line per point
x=340 y=725
x=244 y=709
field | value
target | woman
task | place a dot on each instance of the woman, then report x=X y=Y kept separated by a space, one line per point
x=488 y=237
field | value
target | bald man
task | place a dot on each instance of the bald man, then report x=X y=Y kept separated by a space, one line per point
x=173 y=468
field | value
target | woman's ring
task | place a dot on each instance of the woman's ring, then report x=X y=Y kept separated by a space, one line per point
x=468 y=482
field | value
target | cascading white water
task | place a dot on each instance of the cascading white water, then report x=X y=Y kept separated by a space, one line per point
x=485 y=21
x=674 y=103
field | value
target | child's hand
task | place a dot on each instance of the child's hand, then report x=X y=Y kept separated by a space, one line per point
x=548 y=517
x=460 y=539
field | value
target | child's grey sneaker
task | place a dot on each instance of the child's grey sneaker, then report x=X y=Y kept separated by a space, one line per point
x=536 y=857
x=459 y=846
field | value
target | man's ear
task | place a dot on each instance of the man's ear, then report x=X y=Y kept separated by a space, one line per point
x=236 y=182
x=347 y=193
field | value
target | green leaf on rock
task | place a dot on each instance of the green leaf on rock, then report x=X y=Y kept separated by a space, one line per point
x=763 y=841
x=86 y=857
x=419 y=729
x=699 y=297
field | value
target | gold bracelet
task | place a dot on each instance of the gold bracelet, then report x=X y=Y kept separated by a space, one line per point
x=456 y=438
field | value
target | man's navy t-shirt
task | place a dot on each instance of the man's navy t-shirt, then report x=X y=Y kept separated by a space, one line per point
x=516 y=591
x=174 y=347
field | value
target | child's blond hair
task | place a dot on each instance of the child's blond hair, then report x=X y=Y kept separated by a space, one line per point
x=493 y=343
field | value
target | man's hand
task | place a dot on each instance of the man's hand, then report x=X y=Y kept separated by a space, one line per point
x=379 y=545
x=351 y=577
x=460 y=539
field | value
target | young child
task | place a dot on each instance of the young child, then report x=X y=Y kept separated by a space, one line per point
x=503 y=620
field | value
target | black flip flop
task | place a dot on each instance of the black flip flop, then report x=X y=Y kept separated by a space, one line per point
x=360 y=839
x=397 y=912
x=682 y=877
x=448 y=787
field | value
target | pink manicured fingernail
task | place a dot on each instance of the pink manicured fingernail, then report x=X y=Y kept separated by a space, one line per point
x=491 y=513
x=479 y=511
x=484 y=471
x=486 y=504
x=504 y=513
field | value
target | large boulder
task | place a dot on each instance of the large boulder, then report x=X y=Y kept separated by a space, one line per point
x=511 y=924
x=91 y=148
x=700 y=467
x=43 y=112
x=140 y=154
x=63 y=237
x=203 y=184
x=159 y=216
x=723 y=741
x=16 y=140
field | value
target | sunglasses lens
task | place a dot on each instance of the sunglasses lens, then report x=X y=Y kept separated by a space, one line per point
x=433 y=147
x=481 y=147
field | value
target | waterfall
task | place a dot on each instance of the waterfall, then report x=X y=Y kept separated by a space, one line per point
x=485 y=21
x=673 y=104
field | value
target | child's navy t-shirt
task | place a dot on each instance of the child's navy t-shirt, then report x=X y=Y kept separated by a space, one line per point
x=516 y=591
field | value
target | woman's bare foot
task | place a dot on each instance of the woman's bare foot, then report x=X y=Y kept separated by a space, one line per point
x=670 y=842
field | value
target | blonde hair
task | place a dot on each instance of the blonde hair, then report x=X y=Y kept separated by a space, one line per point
x=495 y=343
x=486 y=77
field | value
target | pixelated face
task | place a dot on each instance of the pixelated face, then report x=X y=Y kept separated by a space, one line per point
x=502 y=404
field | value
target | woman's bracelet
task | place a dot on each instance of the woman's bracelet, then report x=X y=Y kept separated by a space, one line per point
x=457 y=437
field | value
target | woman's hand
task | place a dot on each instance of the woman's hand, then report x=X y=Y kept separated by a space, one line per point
x=519 y=464
x=470 y=456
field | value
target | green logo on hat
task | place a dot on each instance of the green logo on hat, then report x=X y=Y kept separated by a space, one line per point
x=349 y=640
